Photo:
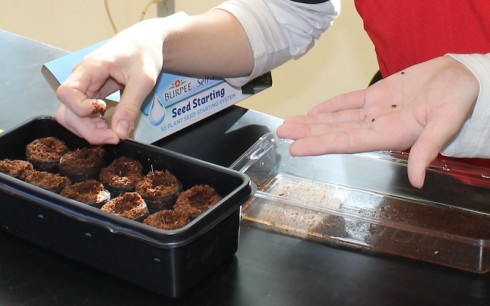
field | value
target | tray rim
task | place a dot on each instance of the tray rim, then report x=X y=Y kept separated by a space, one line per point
x=119 y=225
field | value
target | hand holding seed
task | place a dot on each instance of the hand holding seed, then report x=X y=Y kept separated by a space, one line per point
x=422 y=108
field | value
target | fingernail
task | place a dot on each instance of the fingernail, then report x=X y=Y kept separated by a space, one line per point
x=122 y=128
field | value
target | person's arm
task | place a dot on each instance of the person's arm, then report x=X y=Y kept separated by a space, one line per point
x=132 y=61
x=238 y=39
x=422 y=108
x=212 y=43
x=280 y=30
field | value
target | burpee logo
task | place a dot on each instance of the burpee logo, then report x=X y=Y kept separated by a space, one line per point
x=177 y=88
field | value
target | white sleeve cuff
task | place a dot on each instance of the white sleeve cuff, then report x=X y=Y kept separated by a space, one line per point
x=473 y=138
x=279 y=30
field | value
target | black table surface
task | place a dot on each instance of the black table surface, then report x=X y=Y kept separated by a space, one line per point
x=268 y=269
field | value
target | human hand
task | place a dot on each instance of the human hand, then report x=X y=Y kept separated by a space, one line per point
x=130 y=62
x=422 y=107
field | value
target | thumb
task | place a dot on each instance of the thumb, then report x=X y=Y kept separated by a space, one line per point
x=433 y=138
x=421 y=156
x=128 y=109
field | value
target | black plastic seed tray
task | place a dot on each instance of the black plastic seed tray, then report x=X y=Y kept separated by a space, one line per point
x=167 y=262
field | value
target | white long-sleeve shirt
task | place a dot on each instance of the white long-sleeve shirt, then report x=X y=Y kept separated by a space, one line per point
x=280 y=30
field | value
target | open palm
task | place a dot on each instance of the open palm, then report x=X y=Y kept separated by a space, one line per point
x=422 y=108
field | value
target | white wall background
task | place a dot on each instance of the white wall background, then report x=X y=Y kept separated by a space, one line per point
x=342 y=60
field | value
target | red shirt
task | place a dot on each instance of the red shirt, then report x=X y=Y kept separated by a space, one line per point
x=409 y=32
x=405 y=33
